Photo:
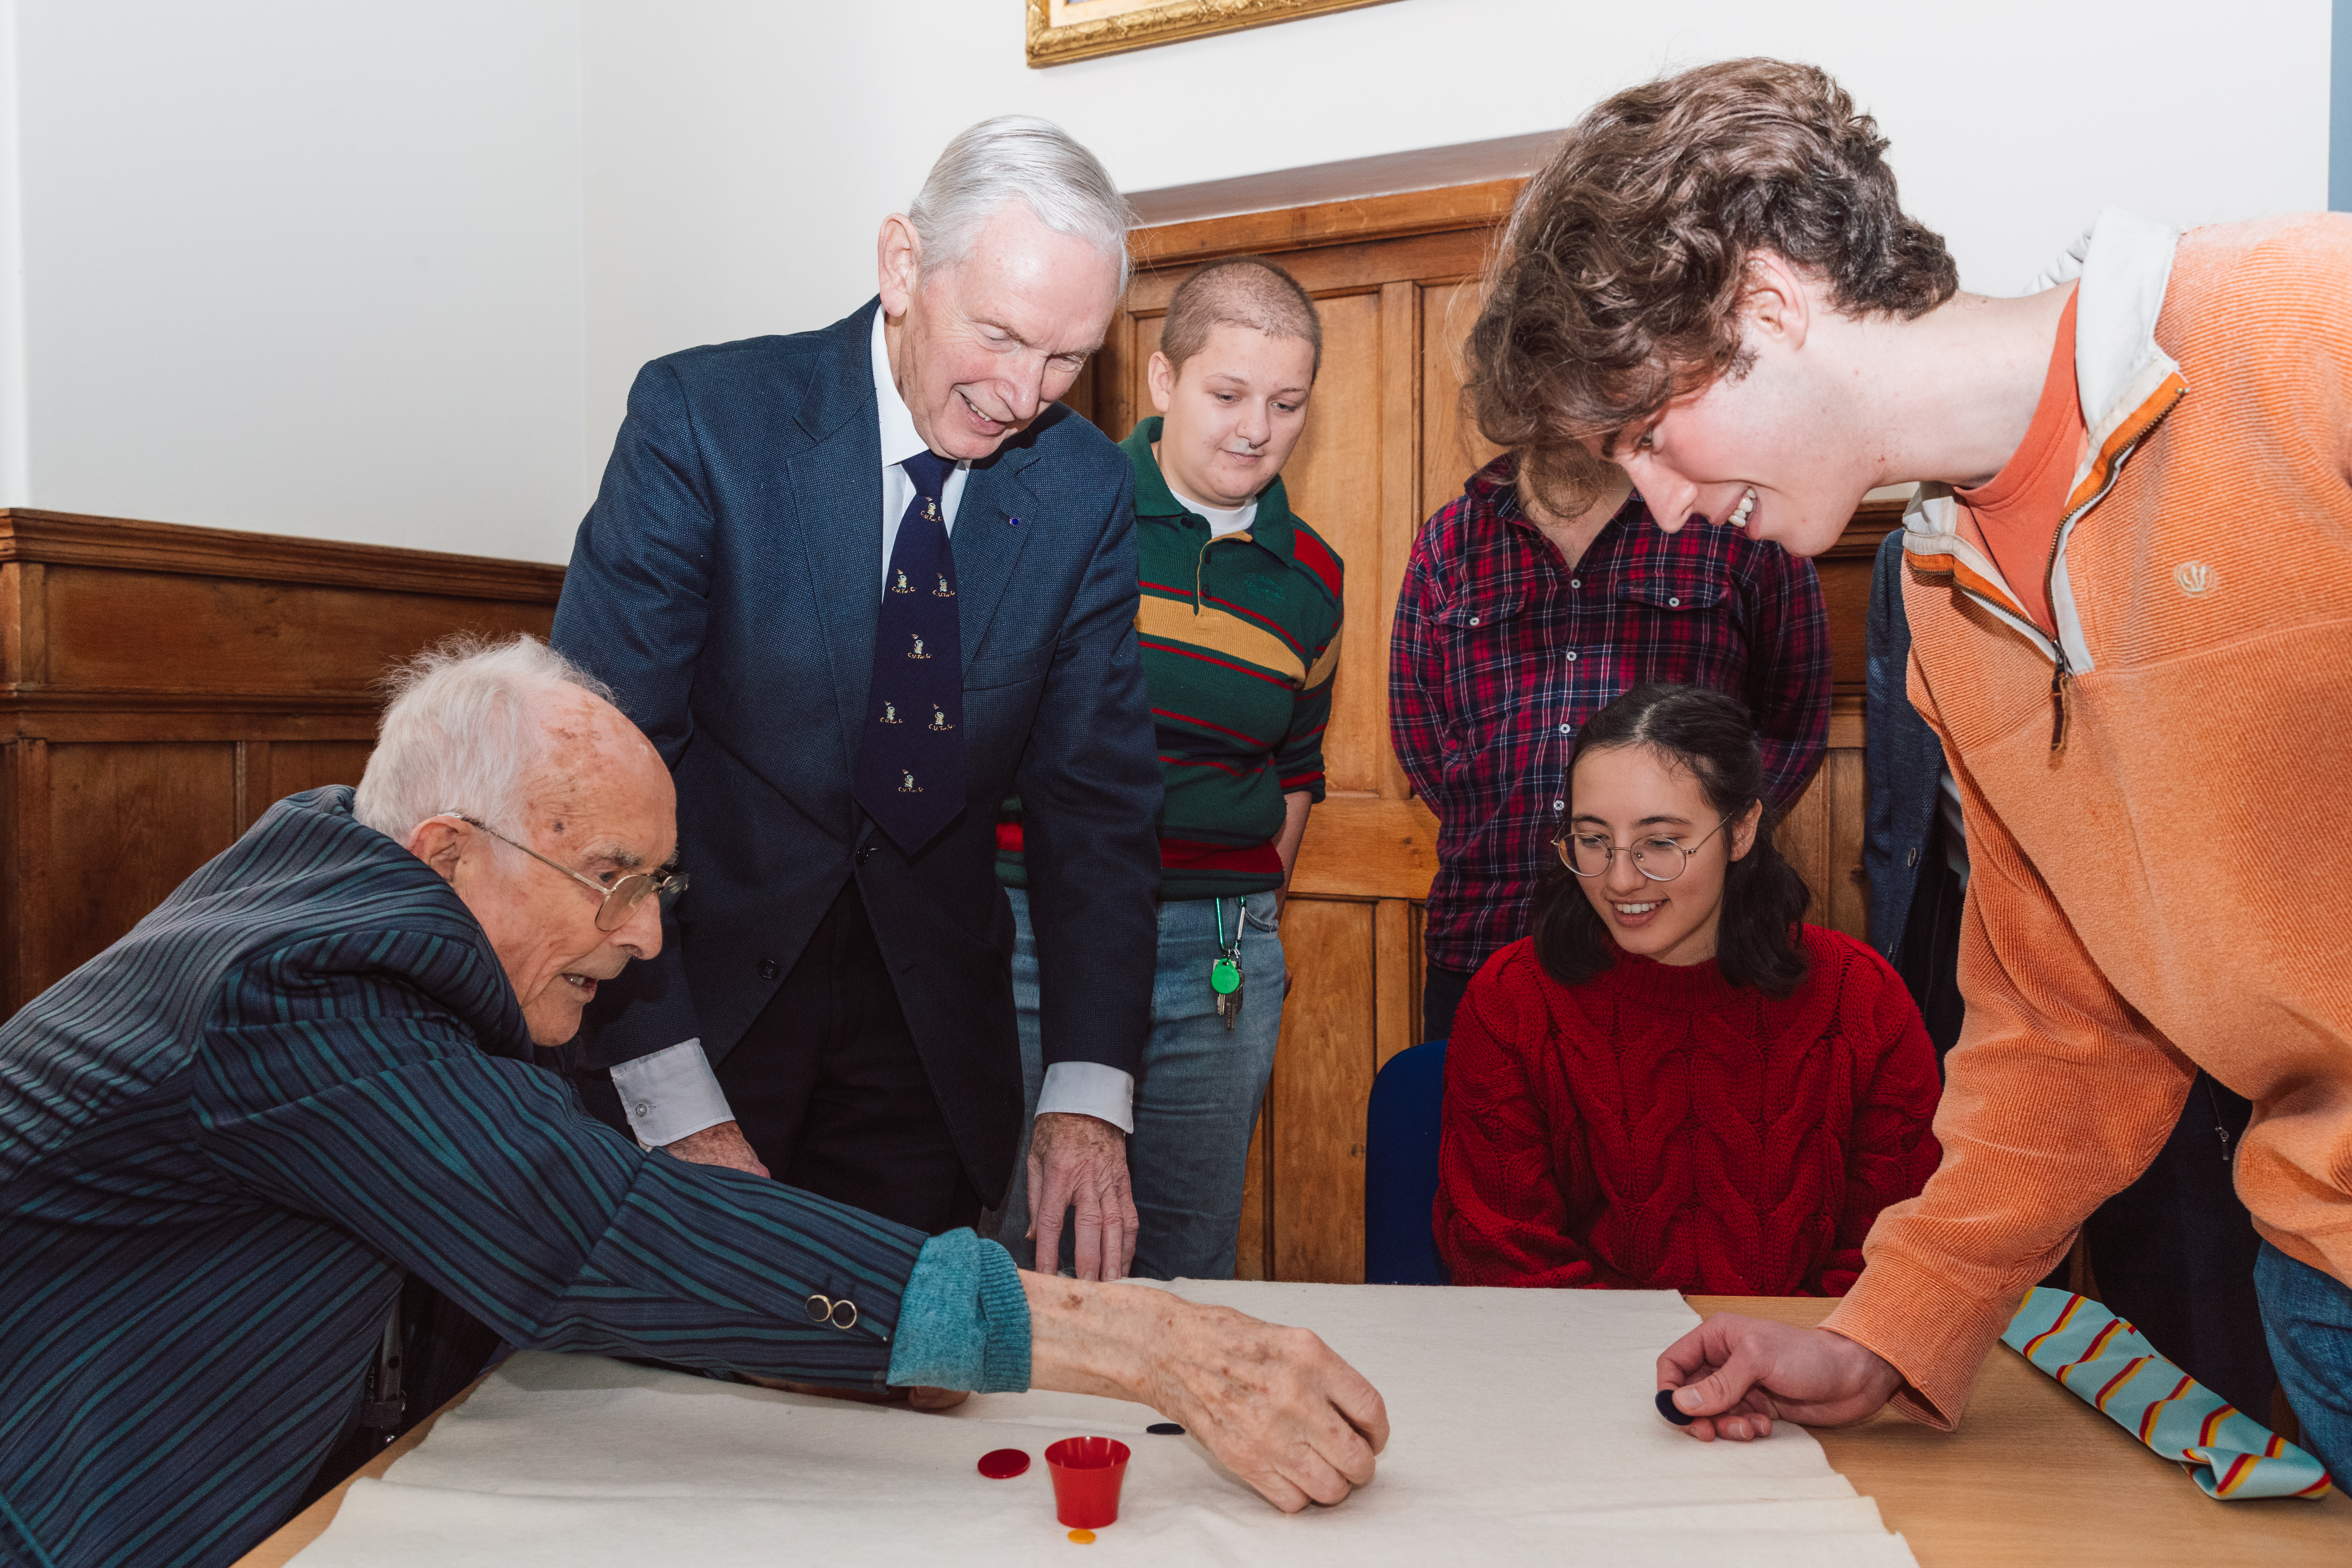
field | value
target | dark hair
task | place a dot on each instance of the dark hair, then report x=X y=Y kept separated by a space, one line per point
x=1710 y=736
x=1624 y=266
x=1239 y=291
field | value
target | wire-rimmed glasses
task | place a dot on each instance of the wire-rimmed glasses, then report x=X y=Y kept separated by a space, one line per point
x=618 y=900
x=1658 y=857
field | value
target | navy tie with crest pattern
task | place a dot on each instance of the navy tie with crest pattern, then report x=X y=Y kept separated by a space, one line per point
x=911 y=763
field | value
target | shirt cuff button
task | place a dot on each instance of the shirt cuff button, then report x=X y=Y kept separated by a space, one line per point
x=642 y=1107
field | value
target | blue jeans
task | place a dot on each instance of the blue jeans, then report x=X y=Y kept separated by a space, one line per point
x=2308 y=1317
x=1197 y=1098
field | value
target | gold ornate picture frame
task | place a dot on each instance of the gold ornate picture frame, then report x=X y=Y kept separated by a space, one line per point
x=1065 y=30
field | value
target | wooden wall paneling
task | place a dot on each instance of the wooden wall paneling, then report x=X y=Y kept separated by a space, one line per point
x=1847 y=890
x=1822 y=834
x=127 y=825
x=1452 y=210
x=253 y=797
x=298 y=765
x=25 y=876
x=160 y=686
x=1452 y=448
x=1339 y=268
x=240 y=636
x=1322 y=1081
x=1249 y=1248
x=1400 y=511
x=1334 y=480
x=24 y=622
x=1396 y=973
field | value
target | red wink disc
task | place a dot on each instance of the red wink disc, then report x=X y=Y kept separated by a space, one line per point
x=1003 y=1464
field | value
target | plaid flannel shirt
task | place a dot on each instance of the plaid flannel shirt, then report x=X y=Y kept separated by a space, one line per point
x=1501 y=651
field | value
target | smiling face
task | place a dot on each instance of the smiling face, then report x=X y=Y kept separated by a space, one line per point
x=981 y=347
x=604 y=807
x=1635 y=796
x=1782 y=449
x=1233 y=414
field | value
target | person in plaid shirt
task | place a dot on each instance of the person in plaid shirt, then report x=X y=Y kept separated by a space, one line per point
x=1511 y=632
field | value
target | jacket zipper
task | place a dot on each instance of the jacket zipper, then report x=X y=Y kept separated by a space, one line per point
x=2062 y=673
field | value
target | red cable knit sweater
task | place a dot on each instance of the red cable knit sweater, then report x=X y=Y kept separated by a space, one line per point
x=1657 y=1128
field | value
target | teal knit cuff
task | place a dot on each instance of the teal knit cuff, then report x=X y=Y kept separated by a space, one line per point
x=963 y=1319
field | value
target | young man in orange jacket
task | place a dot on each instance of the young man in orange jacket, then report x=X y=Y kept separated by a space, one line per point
x=2130 y=593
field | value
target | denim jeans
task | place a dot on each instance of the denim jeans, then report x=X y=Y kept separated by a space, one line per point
x=2308 y=1317
x=1197 y=1098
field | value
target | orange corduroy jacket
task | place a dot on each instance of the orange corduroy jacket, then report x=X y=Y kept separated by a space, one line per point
x=2159 y=804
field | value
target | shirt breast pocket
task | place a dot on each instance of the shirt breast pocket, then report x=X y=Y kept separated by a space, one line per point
x=1487 y=641
x=1673 y=594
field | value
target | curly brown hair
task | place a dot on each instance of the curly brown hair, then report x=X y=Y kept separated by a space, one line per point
x=1623 y=269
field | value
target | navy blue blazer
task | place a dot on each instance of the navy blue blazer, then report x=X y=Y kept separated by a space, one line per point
x=728 y=582
x=1902 y=763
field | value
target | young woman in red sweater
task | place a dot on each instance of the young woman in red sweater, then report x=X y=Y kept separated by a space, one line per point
x=1674 y=1084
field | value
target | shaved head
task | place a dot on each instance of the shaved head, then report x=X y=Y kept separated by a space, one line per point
x=1239 y=291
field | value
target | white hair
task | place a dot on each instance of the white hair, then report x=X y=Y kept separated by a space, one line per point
x=465 y=731
x=1018 y=156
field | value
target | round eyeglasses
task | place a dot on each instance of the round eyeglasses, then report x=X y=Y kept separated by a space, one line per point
x=1659 y=859
x=619 y=900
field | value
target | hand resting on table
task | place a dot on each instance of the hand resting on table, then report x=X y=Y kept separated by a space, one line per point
x=1735 y=1375
x=1274 y=1404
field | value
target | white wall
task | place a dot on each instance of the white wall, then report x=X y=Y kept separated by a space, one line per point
x=303 y=267
x=384 y=271
x=740 y=154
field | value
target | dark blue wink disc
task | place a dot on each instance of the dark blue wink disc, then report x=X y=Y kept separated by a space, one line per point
x=1667 y=1408
x=1165 y=1429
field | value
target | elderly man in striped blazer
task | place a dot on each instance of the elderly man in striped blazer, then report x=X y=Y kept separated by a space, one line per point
x=309 y=1075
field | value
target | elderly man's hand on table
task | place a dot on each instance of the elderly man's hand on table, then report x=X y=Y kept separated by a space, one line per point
x=1274 y=1404
x=1081 y=1161
x=1734 y=1376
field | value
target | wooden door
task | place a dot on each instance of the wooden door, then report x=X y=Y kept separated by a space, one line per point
x=1396 y=279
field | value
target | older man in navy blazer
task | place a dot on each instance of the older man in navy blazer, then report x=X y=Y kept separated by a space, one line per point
x=796 y=542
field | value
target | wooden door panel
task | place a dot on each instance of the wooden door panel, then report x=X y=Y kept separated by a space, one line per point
x=1452 y=448
x=1322 y=1081
x=1249 y=1246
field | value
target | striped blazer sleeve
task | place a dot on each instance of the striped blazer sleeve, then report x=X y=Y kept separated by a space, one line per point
x=485 y=1176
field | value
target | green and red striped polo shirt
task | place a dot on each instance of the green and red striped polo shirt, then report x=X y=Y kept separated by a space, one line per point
x=1240 y=636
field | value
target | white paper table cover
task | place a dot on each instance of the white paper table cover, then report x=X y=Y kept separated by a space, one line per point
x=1522 y=1430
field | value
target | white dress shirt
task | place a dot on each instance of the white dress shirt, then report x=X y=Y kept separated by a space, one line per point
x=672 y=1093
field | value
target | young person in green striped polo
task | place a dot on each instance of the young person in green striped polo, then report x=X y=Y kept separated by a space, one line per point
x=1239 y=628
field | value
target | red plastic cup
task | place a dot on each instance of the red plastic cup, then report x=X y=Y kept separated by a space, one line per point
x=1086 y=1474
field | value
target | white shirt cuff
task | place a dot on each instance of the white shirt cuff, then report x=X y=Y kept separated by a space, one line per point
x=672 y=1093
x=1088 y=1089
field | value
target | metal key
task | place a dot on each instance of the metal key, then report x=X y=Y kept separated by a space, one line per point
x=1229 y=1003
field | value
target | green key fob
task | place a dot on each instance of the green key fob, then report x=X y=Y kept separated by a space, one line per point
x=1225 y=977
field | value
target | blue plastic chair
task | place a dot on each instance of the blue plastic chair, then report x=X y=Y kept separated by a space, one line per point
x=1400 y=1129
